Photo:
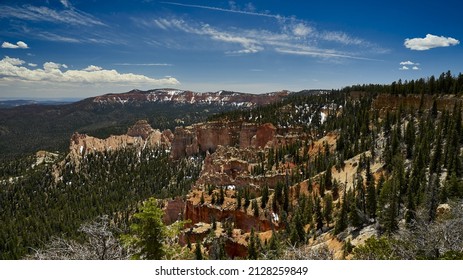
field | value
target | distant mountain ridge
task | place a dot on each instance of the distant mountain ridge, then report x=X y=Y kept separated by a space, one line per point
x=167 y=95
x=10 y=103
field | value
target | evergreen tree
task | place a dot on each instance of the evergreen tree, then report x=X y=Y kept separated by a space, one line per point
x=265 y=197
x=238 y=199
x=222 y=196
x=198 y=251
x=201 y=201
x=217 y=250
x=342 y=220
x=253 y=246
x=388 y=207
x=274 y=247
x=255 y=208
x=286 y=198
x=370 y=193
x=147 y=232
x=318 y=213
x=328 y=208
x=247 y=197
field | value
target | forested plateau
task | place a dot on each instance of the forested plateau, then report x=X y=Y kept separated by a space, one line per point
x=365 y=172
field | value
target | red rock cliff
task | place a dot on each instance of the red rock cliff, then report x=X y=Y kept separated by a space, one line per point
x=208 y=136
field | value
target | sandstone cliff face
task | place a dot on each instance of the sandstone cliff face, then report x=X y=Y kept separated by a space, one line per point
x=140 y=136
x=208 y=136
x=205 y=213
x=232 y=150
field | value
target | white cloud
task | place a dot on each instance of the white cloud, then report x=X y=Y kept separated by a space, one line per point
x=22 y=45
x=32 y=64
x=56 y=38
x=341 y=37
x=12 y=69
x=408 y=62
x=33 y=13
x=92 y=68
x=66 y=3
x=249 y=9
x=302 y=30
x=297 y=27
x=144 y=64
x=18 y=45
x=293 y=38
x=430 y=42
x=319 y=53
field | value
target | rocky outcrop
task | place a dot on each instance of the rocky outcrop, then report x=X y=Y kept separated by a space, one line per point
x=241 y=220
x=140 y=136
x=264 y=134
x=204 y=137
x=174 y=210
x=388 y=102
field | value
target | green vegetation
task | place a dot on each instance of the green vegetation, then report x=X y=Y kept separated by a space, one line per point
x=409 y=162
x=41 y=204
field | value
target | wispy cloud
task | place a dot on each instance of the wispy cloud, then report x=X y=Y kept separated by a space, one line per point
x=45 y=14
x=291 y=39
x=66 y=3
x=296 y=37
x=430 y=42
x=321 y=53
x=143 y=64
x=18 y=45
x=13 y=69
x=48 y=36
x=233 y=10
x=341 y=37
x=298 y=27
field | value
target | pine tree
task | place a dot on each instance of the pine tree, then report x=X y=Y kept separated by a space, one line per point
x=342 y=220
x=388 y=207
x=238 y=199
x=318 y=213
x=265 y=197
x=222 y=196
x=274 y=247
x=328 y=208
x=255 y=208
x=147 y=232
x=198 y=251
x=286 y=198
x=247 y=197
x=370 y=193
x=217 y=250
x=253 y=246
x=201 y=201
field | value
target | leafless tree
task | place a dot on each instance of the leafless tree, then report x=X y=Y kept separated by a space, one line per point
x=316 y=252
x=101 y=244
x=432 y=240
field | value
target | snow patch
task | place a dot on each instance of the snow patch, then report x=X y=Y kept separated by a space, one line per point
x=322 y=117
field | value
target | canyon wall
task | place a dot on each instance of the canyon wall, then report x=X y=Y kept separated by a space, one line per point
x=141 y=135
x=203 y=137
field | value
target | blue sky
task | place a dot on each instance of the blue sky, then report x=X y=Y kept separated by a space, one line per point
x=77 y=48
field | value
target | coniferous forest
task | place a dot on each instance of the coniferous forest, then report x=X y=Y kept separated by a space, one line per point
x=404 y=141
